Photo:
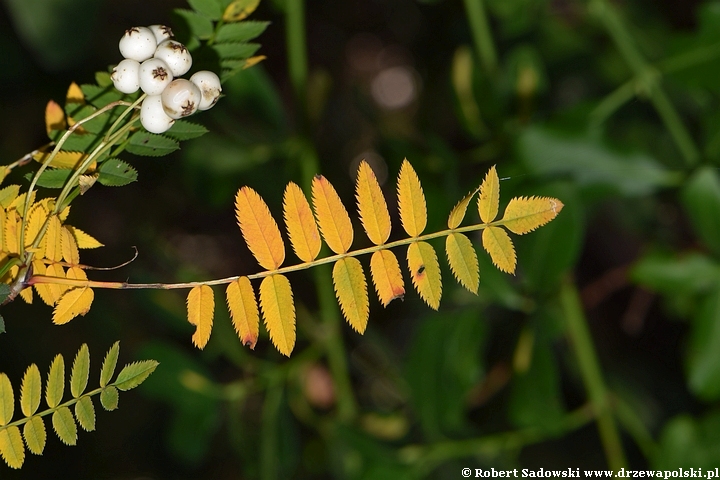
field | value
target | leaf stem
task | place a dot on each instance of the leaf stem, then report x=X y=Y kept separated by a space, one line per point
x=482 y=35
x=591 y=374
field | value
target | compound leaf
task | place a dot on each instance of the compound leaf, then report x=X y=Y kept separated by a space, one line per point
x=7 y=400
x=11 y=447
x=387 y=277
x=30 y=391
x=80 y=371
x=497 y=243
x=244 y=310
x=134 y=374
x=300 y=223
x=489 y=199
x=259 y=229
x=85 y=414
x=425 y=272
x=64 y=425
x=351 y=290
x=109 y=364
x=463 y=260
x=200 y=311
x=523 y=215
x=373 y=209
x=411 y=201
x=333 y=218
x=278 y=310
x=74 y=302
x=56 y=382
x=35 y=435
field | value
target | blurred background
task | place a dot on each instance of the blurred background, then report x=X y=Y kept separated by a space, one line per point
x=610 y=106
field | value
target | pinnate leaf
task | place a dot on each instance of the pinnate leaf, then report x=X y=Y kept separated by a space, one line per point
x=116 y=173
x=259 y=229
x=523 y=215
x=85 y=414
x=30 y=391
x=497 y=243
x=64 y=425
x=56 y=382
x=301 y=226
x=351 y=291
x=387 y=277
x=151 y=145
x=200 y=312
x=109 y=364
x=35 y=435
x=411 y=200
x=463 y=260
x=7 y=400
x=11 y=447
x=489 y=200
x=134 y=374
x=244 y=311
x=425 y=272
x=373 y=209
x=80 y=371
x=74 y=302
x=109 y=398
x=333 y=218
x=278 y=310
x=458 y=212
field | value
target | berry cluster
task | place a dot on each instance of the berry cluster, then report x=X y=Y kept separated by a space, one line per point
x=153 y=62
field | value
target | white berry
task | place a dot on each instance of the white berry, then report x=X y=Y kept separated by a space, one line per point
x=210 y=88
x=138 y=43
x=154 y=75
x=161 y=33
x=153 y=116
x=181 y=98
x=176 y=56
x=125 y=76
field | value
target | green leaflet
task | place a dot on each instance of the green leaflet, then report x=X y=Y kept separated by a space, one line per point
x=80 y=371
x=701 y=199
x=184 y=130
x=77 y=142
x=240 y=32
x=31 y=391
x=236 y=49
x=109 y=364
x=199 y=25
x=109 y=398
x=7 y=400
x=56 y=382
x=64 y=425
x=35 y=435
x=134 y=374
x=52 y=177
x=85 y=414
x=7 y=195
x=116 y=173
x=148 y=144
x=212 y=9
x=11 y=447
x=100 y=96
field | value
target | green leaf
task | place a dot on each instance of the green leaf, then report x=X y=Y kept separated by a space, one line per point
x=184 y=130
x=85 y=414
x=52 y=177
x=35 y=435
x=77 y=142
x=686 y=442
x=56 y=382
x=672 y=274
x=11 y=447
x=134 y=374
x=64 y=425
x=4 y=291
x=210 y=8
x=7 y=400
x=100 y=96
x=240 y=32
x=31 y=391
x=198 y=25
x=149 y=144
x=701 y=199
x=80 y=371
x=109 y=364
x=116 y=173
x=236 y=50
x=109 y=398
x=703 y=362
x=103 y=79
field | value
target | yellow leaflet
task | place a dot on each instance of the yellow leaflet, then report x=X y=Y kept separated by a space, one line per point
x=463 y=260
x=386 y=275
x=37 y=217
x=3 y=247
x=35 y=435
x=524 y=215
x=27 y=295
x=30 y=391
x=54 y=117
x=43 y=289
x=276 y=301
x=10 y=235
x=244 y=311
x=200 y=311
x=301 y=227
x=425 y=272
x=374 y=213
x=83 y=239
x=331 y=215
x=56 y=290
x=239 y=10
x=11 y=447
x=259 y=229
x=411 y=200
x=64 y=159
x=252 y=61
x=458 y=212
x=19 y=202
x=74 y=94
x=351 y=292
x=74 y=302
x=62 y=215
x=76 y=273
x=489 y=196
x=69 y=246
x=52 y=240
x=8 y=195
x=7 y=400
x=497 y=243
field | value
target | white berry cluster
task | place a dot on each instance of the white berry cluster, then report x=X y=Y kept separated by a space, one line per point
x=154 y=62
